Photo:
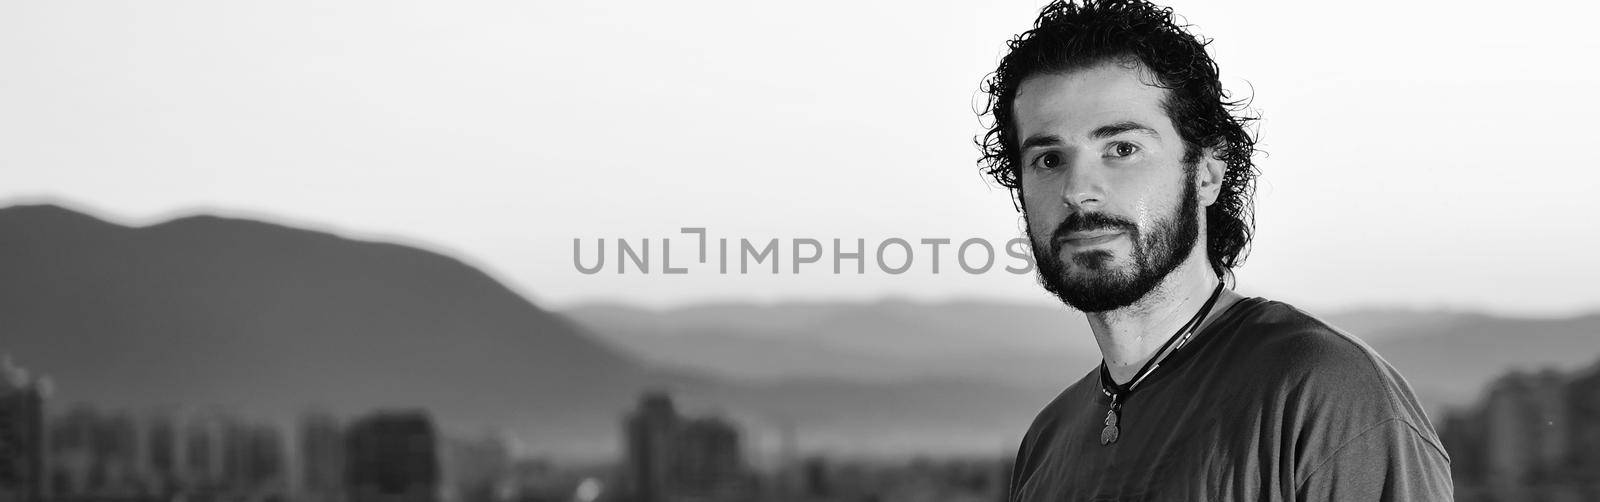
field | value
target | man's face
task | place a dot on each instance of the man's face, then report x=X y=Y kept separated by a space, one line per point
x=1111 y=207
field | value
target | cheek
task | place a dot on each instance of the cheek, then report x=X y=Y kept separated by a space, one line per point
x=1038 y=192
x=1143 y=213
x=1042 y=224
x=1041 y=210
x=1156 y=208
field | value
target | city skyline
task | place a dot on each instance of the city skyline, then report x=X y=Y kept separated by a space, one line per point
x=1523 y=439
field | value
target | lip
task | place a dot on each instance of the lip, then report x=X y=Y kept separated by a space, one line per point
x=1086 y=239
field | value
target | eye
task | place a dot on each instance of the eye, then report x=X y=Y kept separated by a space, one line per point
x=1122 y=149
x=1050 y=160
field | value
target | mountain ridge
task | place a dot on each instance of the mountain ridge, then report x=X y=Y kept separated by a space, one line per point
x=265 y=319
x=1431 y=348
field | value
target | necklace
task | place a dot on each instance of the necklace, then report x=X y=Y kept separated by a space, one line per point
x=1120 y=393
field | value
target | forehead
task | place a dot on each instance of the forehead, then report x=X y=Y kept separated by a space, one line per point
x=1073 y=103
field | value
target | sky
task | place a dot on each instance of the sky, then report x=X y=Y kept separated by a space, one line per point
x=1424 y=155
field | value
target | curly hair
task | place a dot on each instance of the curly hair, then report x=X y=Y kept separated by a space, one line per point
x=1069 y=36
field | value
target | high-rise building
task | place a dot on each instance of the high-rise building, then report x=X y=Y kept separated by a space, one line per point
x=1535 y=436
x=652 y=434
x=815 y=479
x=22 y=435
x=392 y=456
x=321 y=457
x=116 y=453
x=1526 y=439
x=1583 y=411
x=1462 y=433
x=201 y=459
x=709 y=462
x=161 y=454
x=253 y=459
x=72 y=464
x=672 y=458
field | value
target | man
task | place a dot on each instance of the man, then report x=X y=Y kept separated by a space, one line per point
x=1135 y=179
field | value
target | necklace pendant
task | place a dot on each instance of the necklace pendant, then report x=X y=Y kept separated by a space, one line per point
x=1110 y=433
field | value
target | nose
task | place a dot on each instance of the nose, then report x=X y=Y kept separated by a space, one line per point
x=1084 y=187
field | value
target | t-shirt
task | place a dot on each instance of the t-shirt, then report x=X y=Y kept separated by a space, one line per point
x=1265 y=403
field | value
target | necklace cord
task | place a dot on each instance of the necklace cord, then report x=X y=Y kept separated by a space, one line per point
x=1184 y=331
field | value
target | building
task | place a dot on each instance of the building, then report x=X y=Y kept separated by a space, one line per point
x=651 y=434
x=201 y=453
x=1535 y=436
x=477 y=470
x=161 y=454
x=1461 y=432
x=1526 y=439
x=709 y=464
x=322 y=459
x=253 y=460
x=671 y=458
x=1583 y=411
x=72 y=465
x=93 y=454
x=392 y=456
x=116 y=451
x=22 y=435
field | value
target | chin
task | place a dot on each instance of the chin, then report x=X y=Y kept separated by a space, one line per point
x=1096 y=262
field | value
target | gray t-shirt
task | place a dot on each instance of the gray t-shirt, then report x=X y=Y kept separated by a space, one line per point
x=1265 y=403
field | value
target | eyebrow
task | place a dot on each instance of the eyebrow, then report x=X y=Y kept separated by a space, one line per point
x=1039 y=140
x=1102 y=132
x=1107 y=131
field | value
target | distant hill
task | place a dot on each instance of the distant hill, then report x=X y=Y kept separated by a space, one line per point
x=1380 y=325
x=1450 y=366
x=268 y=320
x=1448 y=356
x=887 y=341
x=264 y=318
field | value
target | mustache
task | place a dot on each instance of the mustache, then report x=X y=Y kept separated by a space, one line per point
x=1081 y=222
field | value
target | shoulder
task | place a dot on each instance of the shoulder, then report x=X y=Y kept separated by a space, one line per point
x=1060 y=410
x=1304 y=354
x=1055 y=419
x=1298 y=340
x=1333 y=385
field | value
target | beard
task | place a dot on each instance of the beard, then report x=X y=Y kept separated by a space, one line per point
x=1098 y=284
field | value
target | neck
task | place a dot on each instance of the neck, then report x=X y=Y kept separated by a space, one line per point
x=1129 y=336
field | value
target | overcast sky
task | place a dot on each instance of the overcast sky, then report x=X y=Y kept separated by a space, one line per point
x=1438 y=154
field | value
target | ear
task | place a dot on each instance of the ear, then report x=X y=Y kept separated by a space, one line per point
x=1209 y=175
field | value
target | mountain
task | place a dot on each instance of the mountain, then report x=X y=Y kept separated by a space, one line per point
x=1447 y=356
x=1380 y=325
x=890 y=341
x=886 y=341
x=263 y=318
x=266 y=320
